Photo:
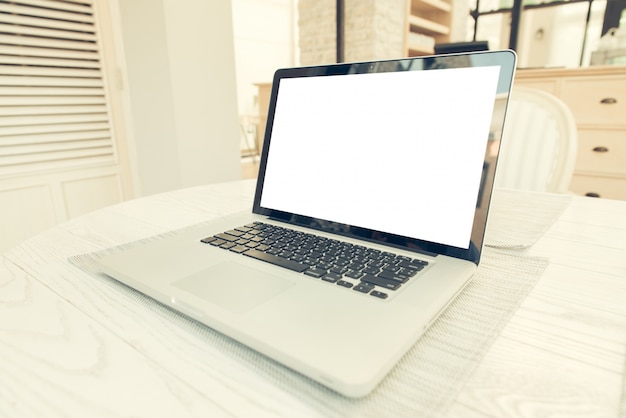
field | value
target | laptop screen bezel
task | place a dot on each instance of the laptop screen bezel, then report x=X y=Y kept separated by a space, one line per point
x=504 y=59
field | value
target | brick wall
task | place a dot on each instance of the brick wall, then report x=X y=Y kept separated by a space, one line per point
x=316 y=26
x=373 y=29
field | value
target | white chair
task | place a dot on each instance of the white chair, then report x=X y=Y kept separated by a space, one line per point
x=539 y=144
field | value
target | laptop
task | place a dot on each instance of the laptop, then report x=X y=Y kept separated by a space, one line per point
x=368 y=217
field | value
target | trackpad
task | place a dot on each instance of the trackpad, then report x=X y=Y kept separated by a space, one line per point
x=233 y=286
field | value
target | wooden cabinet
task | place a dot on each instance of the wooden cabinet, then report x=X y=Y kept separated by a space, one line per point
x=263 y=100
x=427 y=22
x=597 y=98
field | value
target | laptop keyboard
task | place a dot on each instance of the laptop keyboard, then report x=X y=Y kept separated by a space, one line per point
x=366 y=270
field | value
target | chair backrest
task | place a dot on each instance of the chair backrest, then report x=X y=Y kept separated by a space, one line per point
x=540 y=143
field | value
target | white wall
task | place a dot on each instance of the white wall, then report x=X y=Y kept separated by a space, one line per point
x=265 y=36
x=548 y=37
x=180 y=81
x=553 y=37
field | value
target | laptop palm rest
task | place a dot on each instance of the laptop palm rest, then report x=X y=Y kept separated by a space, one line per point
x=233 y=286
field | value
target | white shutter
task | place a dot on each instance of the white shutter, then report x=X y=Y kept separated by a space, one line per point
x=53 y=104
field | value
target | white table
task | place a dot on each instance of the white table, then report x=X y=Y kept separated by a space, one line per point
x=74 y=345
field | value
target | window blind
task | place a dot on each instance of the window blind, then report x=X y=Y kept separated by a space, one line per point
x=53 y=103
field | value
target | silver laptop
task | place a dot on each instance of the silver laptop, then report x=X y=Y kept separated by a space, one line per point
x=368 y=218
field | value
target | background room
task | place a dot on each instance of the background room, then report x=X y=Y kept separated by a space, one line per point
x=130 y=130
x=107 y=101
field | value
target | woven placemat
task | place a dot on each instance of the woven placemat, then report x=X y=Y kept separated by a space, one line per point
x=431 y=374
x=623 y=405
x=517 y=219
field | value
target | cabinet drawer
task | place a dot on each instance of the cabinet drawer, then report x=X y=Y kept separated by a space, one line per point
x=548 y=85
x=601 y=100
x=610 y=188
x=602 y=151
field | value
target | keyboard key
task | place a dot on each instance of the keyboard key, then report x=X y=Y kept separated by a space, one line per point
x=315 y=272
x=354 y=274
x=406 y=273
x=355 y=266
x=390 y=267
x=338 y=269
x=390 y=275
x=279 y=261
x=239 y=249
x=363 y=287
x=235 y=233
x=331 y=277
x=371 y=270
x=345 y=283
x=380 y=295
x=226 y=237
x=379 y=281
x=410 y=264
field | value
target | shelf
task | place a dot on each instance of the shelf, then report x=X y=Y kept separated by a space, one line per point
x=526 y=6
x=430 y=5
x=428 y=27
x=427 y=23
x=416 y=51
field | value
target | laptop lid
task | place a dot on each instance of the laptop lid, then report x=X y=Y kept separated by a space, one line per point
x=399 y=152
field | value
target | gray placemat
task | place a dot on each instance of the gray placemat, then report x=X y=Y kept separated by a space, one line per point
x=517 y=219
x=429 y=377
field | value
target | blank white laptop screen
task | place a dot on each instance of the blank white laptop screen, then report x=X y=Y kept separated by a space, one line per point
x=398 y=152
